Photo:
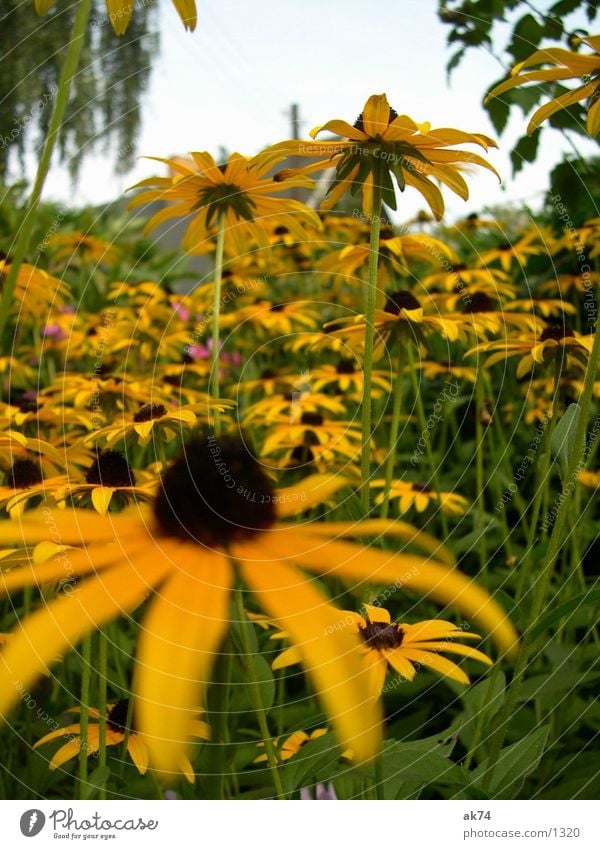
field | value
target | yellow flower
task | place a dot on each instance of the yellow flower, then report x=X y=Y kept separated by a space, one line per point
x=568 y=66
x=153 y=420
x=116 y=729
x=507 y=253
x=380 y=144
x=420 y=496
x=400 y=646
x=216 y=521
x=76 y=248
x=239 y=190
x=539 y=348
x=292 y=744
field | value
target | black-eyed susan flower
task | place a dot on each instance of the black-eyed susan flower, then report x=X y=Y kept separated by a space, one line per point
x=108 y=478
x=289 y=747
x=568 y=65
x=382 y=145
x=116 y=731
x=216 y=520
x=154 y=421
x=507 y=254
x=239 y=190
x=77 y=248
x=402 y=313
x=347 y=377
x=539 y=347
x=421 y=496
x=400 y=646
x=36 y=291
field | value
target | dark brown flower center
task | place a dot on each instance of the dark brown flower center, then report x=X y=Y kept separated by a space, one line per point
x=556 y=332
x=24 y=474
x=215 y=494
x=382 y=635
x=386 y=233
x=346 y=366
x=480 y=302
x=110 y=468
x=27 y=403
x=268 y=374
x=420 y=487
x=313 y=419
x=117 y=717
x=147 y=412
x=281 y=230
x=276 y=307
x=400 y=300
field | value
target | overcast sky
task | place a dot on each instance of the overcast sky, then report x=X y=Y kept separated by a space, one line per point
x=231 y=83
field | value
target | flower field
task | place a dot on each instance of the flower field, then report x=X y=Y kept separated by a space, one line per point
x=298 y=491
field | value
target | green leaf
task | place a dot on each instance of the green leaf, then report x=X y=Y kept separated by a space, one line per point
x=527 y=34
x=265 y=681
x=454 y=61
x=515 y=763
x=561 y=444
x=407 y=768
x=583 y=599
x=498 y=109
x=524 y=151
x=488 y=692
x=313 y=757
x=96 y=781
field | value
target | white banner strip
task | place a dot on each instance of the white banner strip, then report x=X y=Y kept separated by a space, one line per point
x=284 y=825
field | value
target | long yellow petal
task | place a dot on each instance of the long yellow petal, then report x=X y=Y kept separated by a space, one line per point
x=331 y=656
x=181 y=634
x=445 y=585
x=52 y=630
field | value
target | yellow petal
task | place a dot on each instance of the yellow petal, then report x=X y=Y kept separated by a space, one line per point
x=101 y=498
x=329 y=655
x=376 y=115
x=54 y=629
x=182 y=632
x=445 y=585
x=138 y=752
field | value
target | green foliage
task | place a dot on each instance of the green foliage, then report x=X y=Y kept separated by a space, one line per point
x=475 y=25
x=104 y=110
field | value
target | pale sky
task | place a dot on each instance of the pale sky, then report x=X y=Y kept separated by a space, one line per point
x=232 y=81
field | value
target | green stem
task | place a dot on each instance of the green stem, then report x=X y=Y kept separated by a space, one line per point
x=479 y=471
x=428 y=450
x=68 y=72
x=86 y=666
x=396 y=408
x=102 y=685
x=542 y=476
x=255 y=695
x=577 y=456
x=216 y=317
x=370 y=304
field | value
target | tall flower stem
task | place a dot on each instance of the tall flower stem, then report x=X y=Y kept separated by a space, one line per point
x=395 y=426
x=86 y=668
x=61 y=101
x=370 y=304
x=543 y=472
x=102 y=685
x=576 y=461
x=479 y=472
x=216 y=318
x=423 y=425
x=254 y=693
